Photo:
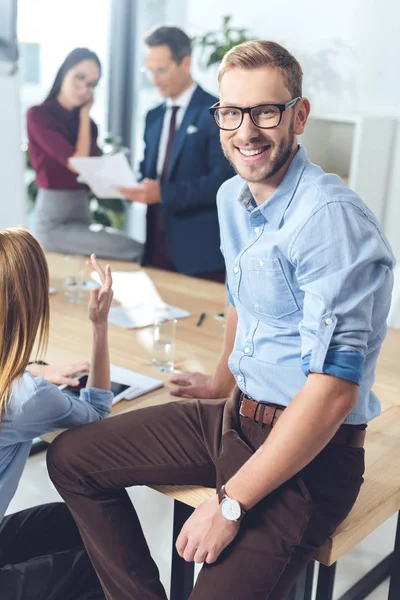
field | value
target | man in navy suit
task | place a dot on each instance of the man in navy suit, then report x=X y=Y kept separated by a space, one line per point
x=183 y=165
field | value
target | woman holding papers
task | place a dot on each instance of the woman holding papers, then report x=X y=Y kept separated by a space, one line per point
x=59 y=129
x=41 y=552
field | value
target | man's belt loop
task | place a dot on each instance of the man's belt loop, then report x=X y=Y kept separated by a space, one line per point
x=262 y=407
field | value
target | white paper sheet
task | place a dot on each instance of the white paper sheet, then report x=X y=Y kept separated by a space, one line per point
x=134 y=288
x=103 y=174
x=139 y=301
x=142 y=316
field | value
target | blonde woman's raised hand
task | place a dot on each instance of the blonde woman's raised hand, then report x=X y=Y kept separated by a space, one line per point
x=100 y=298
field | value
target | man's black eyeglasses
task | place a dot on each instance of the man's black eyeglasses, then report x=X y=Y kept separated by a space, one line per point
x=264 y=116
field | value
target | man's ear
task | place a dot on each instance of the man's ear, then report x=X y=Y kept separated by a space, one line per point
x=187 y=63
x=302 y=111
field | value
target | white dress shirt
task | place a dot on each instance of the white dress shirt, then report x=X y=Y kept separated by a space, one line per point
x=183 y=102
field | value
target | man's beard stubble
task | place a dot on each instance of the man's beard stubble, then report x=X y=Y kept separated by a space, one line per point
x=275 y=163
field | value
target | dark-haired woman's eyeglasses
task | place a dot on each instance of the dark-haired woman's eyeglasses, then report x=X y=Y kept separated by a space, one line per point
x=91 y=85
x=264 y=116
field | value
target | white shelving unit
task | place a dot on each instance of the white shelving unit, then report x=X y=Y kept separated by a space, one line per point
x=358 y=148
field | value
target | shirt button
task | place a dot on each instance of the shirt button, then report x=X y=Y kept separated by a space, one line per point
x=239 y=378
x=328 y=321
x=256 y=230
x=261 y=263
x=247 y=350
x=236 y=270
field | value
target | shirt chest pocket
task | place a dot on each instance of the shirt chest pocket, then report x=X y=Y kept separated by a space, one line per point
x=271 y=292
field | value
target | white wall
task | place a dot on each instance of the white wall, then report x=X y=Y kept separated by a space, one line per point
x=59 y=27
x=349 y=51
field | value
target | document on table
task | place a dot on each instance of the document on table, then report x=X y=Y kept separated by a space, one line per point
x=139 y=301
x=103 y=174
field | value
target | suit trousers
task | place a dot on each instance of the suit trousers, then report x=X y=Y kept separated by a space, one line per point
x=198 y=442
x=42 y=557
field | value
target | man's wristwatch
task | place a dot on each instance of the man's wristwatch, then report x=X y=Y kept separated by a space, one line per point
x=230 y=508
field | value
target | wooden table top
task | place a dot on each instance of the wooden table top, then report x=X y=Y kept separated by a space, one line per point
x=199 y=349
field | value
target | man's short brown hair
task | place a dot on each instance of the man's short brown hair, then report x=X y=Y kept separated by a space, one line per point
x=261 y=53
x=176 y=39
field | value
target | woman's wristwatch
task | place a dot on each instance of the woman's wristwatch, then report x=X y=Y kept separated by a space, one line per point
x=230 y=508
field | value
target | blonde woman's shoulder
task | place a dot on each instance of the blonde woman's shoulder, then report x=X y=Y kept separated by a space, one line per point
x=23 y=389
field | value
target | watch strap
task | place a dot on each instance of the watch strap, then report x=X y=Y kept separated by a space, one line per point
x=221 y=493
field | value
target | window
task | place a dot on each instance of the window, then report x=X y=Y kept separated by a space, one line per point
x=47 y=31
x=149 y=13
x=29 y=62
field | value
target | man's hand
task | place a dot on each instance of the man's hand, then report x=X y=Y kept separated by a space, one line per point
x=206 y=533
x=63 y=374
x=194 y=385
x=148 y=192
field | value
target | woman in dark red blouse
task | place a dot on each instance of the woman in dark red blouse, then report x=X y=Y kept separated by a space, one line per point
x=58 y=129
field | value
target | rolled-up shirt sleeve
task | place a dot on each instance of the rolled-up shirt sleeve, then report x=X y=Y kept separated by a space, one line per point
x=340 y=269
x=48 y=409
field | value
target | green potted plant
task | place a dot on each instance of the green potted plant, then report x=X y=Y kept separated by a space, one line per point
x=215 y=44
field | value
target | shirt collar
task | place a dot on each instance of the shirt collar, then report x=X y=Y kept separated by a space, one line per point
x=274 y=209
x=183 y=100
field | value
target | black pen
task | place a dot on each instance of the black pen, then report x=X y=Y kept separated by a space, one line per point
x=201 y=319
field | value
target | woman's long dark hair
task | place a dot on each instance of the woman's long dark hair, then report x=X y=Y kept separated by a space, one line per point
x=73 y=58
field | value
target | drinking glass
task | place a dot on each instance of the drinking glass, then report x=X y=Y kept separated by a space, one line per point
x=73 y=279
x=163 y=342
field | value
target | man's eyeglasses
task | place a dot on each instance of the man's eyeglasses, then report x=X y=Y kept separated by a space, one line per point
x=160 y=73
x=264 y=116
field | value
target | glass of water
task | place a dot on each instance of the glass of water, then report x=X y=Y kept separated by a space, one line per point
x=163 y=342
x=73 y=279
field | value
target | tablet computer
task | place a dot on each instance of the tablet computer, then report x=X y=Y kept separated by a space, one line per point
x=136 y=384
x=118 y=389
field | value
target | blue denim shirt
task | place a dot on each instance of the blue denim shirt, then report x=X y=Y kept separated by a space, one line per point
x=310 y=274
x=37 y=407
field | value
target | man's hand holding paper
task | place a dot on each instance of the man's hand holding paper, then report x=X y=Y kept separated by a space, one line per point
x=147 y=192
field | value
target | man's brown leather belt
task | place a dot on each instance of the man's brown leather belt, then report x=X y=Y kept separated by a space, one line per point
x=268 y=414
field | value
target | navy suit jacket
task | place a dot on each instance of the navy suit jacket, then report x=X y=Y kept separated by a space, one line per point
x=196 y=170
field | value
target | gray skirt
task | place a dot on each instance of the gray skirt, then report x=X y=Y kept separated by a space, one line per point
x=62 y=224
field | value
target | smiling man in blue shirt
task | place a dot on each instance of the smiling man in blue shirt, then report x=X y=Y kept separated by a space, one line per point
x=310 y=278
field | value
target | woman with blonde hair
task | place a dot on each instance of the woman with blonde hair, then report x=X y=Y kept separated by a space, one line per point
x=41 y=552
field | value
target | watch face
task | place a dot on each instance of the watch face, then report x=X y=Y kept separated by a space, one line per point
x=230 y=509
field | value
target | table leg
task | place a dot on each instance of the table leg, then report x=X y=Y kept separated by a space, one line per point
x=304 y=585
x=370 y=581
x=182 y=572
x=394 y=588
x=326 y=581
